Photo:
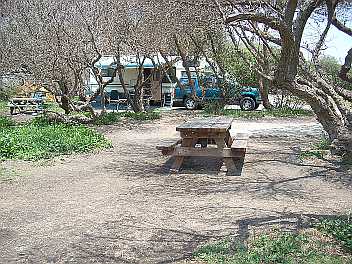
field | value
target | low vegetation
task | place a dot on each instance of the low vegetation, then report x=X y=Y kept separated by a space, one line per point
x=115 y=117
x=3 y=106
x=310 y=246
x=285 y=112
x=40 y=139
x=340 y=229
x=317 y=150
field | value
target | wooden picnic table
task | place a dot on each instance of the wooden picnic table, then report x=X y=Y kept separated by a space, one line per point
x=23 y=104
x=198 y=138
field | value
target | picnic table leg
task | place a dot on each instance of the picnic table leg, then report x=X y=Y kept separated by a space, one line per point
x=229 y=162
x=186 y=142
x=228 y=139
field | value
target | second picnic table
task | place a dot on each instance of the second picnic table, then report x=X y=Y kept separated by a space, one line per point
x=198 y=134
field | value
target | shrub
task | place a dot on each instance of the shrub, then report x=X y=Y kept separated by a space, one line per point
x=214 y=107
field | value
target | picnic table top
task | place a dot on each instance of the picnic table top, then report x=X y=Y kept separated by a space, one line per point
x=211 y=124
x=29 y=99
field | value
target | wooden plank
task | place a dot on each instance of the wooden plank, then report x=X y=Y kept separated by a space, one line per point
x=202 y=134
x=239 y=144
x=240 y=136
x=207 y=152
x=217 y=124
x=187 y=142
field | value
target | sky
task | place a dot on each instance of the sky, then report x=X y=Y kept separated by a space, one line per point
x=338 y=44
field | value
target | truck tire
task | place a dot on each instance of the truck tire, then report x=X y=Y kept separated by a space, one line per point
x=190 y=103
x=247 y=104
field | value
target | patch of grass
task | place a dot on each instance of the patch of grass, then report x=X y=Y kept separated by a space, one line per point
x=277 y=247
x=340 y=229
x=111 y=118
x=6 y=122
x=39 y=140
x=278 y=112
x=53 y=106
x=3 y=106
x=318 y=150
x=108 y=119
x=143 y=116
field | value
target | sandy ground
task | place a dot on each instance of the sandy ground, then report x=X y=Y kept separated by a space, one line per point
x=122 y=206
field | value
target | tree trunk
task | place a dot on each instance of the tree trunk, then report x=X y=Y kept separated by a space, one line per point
x=264 y=93
x=138 y=104
x=65 y=104
x=334 y=122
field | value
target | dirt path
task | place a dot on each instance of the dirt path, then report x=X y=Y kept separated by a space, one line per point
x=121 y=205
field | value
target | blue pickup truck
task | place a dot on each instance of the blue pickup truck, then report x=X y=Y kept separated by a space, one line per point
x=207 y=89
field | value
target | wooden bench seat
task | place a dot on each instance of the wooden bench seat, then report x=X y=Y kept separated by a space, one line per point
x=167 y=147
x=239 y=144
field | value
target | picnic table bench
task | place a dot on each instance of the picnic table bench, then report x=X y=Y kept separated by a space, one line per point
x=207 y=137
x=25 y=104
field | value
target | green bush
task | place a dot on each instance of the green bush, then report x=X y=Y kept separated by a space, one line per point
x=340 y=229
x=40 y=140
x=214 y=108
x=6 y=122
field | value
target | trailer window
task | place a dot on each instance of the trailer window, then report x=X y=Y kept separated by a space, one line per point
x=170 y=76
x=108 y=72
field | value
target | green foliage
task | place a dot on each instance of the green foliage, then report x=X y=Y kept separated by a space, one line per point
x=6 y=122
x=39 y=140
x=236 y=67
x=214 y=109
x=6 y=92
x=274 y=248
x=331 y=68
x=340 y=229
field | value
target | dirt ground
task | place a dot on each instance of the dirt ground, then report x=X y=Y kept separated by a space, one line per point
x=122 y=206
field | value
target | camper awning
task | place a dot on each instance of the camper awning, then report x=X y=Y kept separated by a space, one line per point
x=136 y=65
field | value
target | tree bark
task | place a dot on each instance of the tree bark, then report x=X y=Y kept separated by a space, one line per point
x=264 y=92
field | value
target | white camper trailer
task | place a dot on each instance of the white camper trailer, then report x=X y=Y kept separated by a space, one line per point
x=158 y=88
